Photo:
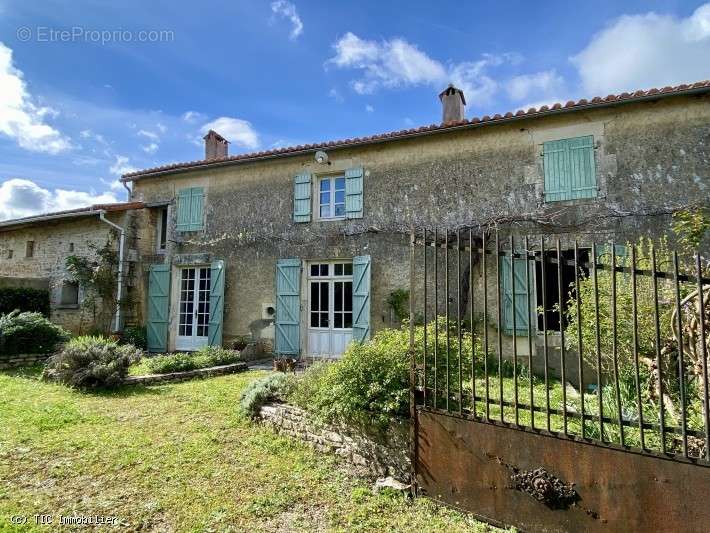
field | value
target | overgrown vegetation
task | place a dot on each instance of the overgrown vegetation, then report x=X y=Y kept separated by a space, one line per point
x=398 y=302
x=92 y=362
x=691 y=225
x=261 y=391
x=96 y=276
x=29 y=332
x=135 y=335
x=24 y=299
x=181 y=362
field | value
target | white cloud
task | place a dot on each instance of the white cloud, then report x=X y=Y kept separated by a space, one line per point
x=23 y=198
x=237 y=131
x=88 y=134
x=545 y=82
x=369 y=108
x=397 y=63
x=150 y=148
x=121 y=166
x=162 y=128
x=114 y=185
x=192 y=116
x=20 y=118
x=149 y=135
x=287 y=10
x=643 y=51
x=335 y=95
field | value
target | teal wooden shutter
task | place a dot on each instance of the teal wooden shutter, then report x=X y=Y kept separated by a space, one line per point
x=520 y=291
x=288 y=306
x=214 y=326
x=158 y=308
x=302 y=198
x=361 y=298
x=570 y=171
x=353 y=192
x=190 y=209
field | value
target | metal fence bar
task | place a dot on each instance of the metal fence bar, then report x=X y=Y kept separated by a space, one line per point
x=563 y=363
x=635 y=342
x=597 y=343
x=426 y=322
x=473 y=329
x=580 y=348
x=436 y=317
x=500 y=330
x=458 y=315
x=681 y=363
x=544 y=330
x=659 y=366
x=446 y=302
x=614 y=345
x=515 y=329
x=530 y=319
x=485 y=327
x=704 y=355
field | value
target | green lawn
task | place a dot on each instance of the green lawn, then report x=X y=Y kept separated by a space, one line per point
x=179 y=457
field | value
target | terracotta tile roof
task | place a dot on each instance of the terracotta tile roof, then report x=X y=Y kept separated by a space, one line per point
x=571 y=105
x=73 y=213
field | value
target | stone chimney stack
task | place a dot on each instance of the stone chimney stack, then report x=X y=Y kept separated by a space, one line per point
x=216 y=146
x=453 y=104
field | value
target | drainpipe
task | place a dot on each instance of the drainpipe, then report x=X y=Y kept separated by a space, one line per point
x=130 y=191
x=119 y=289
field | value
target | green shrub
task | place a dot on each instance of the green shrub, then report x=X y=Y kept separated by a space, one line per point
x=264 y=390
x=29 y=333
x=24 y=299
x=92 y=362
x=206 y=357
x=135 y=335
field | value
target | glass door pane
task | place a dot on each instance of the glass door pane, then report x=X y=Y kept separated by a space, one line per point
x=187 y=302
x=203 y=302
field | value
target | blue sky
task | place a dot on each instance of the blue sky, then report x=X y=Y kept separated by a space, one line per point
x=80 y=108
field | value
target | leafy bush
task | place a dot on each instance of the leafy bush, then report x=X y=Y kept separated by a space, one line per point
x=135 y=335
x=261 y=391
x=92 y=362
x=24 y=299
x=29 y=333
x=182 y=362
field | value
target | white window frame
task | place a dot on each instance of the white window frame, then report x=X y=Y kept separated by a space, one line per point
x=330 y=278
x=331 y=204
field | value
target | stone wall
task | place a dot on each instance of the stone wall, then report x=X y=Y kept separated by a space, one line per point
x=172 y=377
x=376 y=451
x=15 y=361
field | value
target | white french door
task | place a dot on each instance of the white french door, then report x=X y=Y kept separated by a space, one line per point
x=194 y=312
x=330 y=308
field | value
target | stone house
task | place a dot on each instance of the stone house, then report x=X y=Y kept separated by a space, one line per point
x=33 y=253
x=301 y=247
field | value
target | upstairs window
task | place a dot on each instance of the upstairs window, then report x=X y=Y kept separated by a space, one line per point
x=30 y=249
x=9 y=254
x=70 y=293
x=190 y=203
x=570 y=172
x=332 y=197
x=162 y=230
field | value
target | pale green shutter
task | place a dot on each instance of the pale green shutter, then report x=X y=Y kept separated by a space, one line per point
x=302 y=198
x=288 y=307
x=214 y=327
x=158 y=308
x=570 y=171
x=353 y=192
x=190 y=209
x=196 y=205
x=361 y=298
x=519 y=291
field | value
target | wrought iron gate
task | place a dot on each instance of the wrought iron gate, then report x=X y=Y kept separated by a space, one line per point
x=560 y=385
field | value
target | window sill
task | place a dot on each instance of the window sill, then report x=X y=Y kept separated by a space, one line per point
x=67 y=306
x=331 y=219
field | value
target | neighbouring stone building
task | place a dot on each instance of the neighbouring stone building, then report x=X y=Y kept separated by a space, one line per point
x=301 y=248
x=33 y=253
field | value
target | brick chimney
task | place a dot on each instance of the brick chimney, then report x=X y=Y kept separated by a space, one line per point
x=453 y=104
x=216 y=146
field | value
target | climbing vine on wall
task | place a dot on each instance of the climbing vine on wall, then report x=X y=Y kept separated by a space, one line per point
x=96 y=276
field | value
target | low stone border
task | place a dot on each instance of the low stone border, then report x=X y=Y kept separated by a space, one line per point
x=15 y=361
x=377 y=451
x=152 y=379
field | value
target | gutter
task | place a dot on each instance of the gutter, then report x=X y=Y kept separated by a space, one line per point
x=121 y=246
x=416 y=134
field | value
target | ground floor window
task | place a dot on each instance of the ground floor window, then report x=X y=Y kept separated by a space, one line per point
x=70 y=293
x=551 y=290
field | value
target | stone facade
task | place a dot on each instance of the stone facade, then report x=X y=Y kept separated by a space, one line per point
x=52 y=242
x=379 y=452
x=651 y=158
x=15 y=361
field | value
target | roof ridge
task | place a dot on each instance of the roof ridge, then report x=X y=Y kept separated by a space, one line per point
x=582 y=103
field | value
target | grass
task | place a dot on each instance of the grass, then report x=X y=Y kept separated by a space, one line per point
x=179 y=457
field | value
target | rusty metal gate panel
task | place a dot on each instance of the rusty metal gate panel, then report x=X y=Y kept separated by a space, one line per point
x=540 y=482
